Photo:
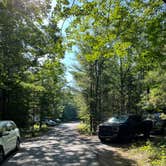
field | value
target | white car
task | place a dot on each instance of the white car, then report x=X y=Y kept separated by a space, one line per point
x=9 y=138
x=50 y=122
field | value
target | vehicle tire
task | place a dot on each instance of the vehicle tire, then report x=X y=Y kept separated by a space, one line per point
x=130 y=136
x=147 y=126
x=146 y=134
x=1 y=154
x=163 y=131
x=18 y=144
x=102 y=140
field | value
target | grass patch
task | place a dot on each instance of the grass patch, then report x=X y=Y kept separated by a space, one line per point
x=84 y=128
x=149 y=153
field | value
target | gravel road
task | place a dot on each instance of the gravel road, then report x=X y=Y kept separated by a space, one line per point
x=63 y=146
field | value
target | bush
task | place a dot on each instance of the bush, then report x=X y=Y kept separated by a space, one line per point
x=44 y=127
x=37 y=127
x=154 y=154
x=84 y=128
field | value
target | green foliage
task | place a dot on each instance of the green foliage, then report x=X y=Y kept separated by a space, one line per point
x=37 y=127
x=156 y=98
x=118 y=43
x=70 y=112
x=31 y=72
x=120 y=46
x=82 y=108
x=84 y=128
x=155 y=154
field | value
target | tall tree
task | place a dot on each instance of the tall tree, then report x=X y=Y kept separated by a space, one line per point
x=121 y=34
x=30 y=42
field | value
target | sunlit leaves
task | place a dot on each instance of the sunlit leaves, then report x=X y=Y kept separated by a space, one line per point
x=32 y=87
x=4 y=2
x=121 y=48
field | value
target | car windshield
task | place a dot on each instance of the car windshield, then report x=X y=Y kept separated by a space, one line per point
x=120 y=119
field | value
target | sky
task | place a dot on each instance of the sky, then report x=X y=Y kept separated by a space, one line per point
x=69 y=61
x=70 y=57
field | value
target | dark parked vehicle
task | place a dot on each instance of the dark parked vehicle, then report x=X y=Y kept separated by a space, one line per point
x=58 y=121
x=49 y=122
x=126 y=126
x=159 y=127
x=159 y=123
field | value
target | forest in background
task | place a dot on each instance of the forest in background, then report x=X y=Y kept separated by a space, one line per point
x=31 y=72
x=120 y=47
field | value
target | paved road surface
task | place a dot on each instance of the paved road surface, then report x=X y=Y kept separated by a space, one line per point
x=63 y=146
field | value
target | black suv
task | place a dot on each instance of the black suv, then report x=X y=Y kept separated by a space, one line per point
x=159 y=123
x=126 y=126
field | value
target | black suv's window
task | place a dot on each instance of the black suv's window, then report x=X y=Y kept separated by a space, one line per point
x=118 y=119
x=135 y=118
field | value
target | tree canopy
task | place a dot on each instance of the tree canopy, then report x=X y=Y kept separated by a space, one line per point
x=120 y=47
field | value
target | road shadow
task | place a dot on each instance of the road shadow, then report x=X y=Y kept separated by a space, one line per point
x=63 y=146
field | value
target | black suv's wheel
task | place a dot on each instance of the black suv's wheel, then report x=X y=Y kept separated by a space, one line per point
x=103 y=140
x=1 y=154
x=163 y=131
x=146 y=134
x=18 y=144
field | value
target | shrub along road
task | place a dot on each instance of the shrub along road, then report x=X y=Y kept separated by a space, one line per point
x=63 y=146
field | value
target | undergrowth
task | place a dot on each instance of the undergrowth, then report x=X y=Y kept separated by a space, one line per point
x=84 y=128
x=151 y=154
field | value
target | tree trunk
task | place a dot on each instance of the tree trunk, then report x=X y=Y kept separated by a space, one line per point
x=122 y=100
x=4 y=104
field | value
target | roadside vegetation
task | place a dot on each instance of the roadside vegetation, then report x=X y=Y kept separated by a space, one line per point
x=84 y=128
x=35 y=132
x=149 y=153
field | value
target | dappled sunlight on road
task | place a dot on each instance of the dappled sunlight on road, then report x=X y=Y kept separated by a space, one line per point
x=63 y=146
